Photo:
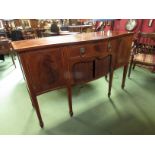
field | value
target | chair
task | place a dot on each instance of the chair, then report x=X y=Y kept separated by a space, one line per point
x=6 y=48
x=143 y=51
x=3 y=33
x=29 y=34
x=16 y=35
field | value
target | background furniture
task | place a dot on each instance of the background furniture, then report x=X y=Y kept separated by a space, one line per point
x=16 y=35
x=3 y=34
x=29 y=34
x=143 y=51
x=79 y=28
x=57 y=62
x=48 y=34
x=6 y=48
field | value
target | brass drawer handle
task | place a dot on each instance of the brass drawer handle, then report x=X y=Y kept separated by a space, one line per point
x=82 y=50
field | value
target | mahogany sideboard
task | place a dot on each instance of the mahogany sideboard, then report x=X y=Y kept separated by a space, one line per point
x=62 y=61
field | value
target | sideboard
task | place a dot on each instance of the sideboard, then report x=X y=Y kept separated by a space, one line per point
x=63 y=61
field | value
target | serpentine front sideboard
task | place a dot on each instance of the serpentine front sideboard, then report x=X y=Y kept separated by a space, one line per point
x=62 y=61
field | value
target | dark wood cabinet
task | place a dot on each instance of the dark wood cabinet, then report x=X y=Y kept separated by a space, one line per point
x=62 y=61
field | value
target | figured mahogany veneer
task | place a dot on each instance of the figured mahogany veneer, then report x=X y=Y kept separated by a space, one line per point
x=62 y=61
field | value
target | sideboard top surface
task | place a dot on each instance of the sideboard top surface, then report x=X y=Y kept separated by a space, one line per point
x=26 y=45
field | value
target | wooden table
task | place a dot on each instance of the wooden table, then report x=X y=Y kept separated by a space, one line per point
x=47 y=34
x=78 y=28
x=4 y=39
x=62 y=61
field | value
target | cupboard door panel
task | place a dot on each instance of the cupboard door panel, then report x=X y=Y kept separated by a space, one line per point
x=102 y=66
x=82 y=71
x=46 y=69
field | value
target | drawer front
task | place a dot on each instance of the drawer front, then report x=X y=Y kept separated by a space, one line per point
x=81 y=51
x=101 y=47
x=89 y=50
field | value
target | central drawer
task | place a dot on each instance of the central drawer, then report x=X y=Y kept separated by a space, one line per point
x=88 y=50
x=81 y=51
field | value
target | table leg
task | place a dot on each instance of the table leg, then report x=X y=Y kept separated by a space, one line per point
x=110 y=83
x=130 y=66
x=33 y=105
x=69 y=92
x=124 y=75
x=106 y=77
x=13 y=59
x=36 y=107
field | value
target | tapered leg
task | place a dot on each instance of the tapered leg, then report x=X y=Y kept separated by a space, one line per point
x=106 y=77
x=13 y=59
x=134 y=65
x=124 y=75
x=35 y=104
x=130 y=67
x=110 y=83
x=69 y=92
x=2 y=57
x=14 y=55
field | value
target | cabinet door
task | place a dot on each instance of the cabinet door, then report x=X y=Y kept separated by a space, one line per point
x=123 y=51
x=45 y=69
x=81 y=71
x=102 y=66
